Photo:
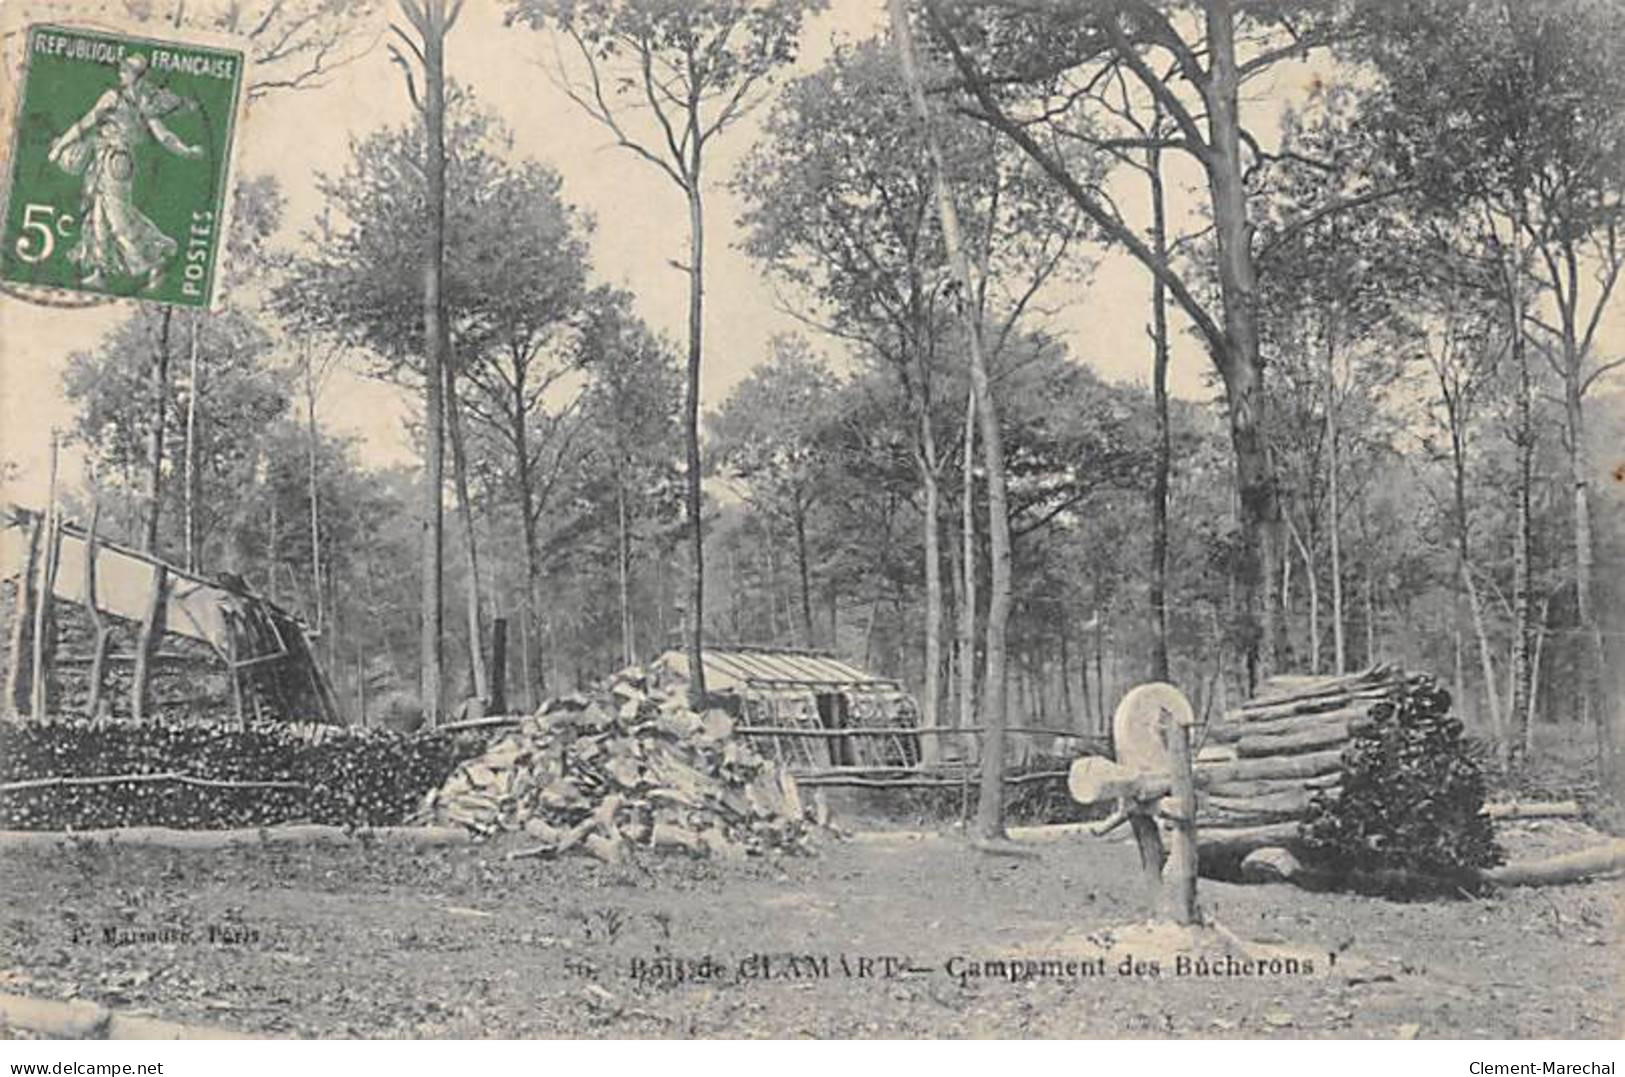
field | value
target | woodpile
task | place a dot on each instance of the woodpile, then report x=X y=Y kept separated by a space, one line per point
x=625 y=767
x=1263 y=763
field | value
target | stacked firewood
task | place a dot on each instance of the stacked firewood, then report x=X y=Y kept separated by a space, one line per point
x=623 y=767
x=1264 y=762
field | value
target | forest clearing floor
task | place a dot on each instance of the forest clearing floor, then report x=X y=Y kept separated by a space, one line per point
x=459 y=942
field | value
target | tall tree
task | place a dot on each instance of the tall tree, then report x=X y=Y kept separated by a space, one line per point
x=513 y=292
x=840 y=195
x=431 y=21
x=769 y=436
x=1036 y=71
x=990 y=792
x=684 y=73
x=1524 y=150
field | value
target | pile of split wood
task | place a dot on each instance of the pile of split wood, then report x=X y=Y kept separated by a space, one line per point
x=628 y=766
x=1262 y=764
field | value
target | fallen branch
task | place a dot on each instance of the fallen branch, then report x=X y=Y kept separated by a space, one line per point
x=208 y=840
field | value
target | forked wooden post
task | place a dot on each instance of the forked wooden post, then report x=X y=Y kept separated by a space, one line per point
x=152 y=629
x=1151 y=732
x=103 y=632
x=1179 y=877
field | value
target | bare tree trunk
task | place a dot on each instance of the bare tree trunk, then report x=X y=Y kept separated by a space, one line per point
x=312 y=489
x=932 y=703
x=623 y=569
x=155 y=440
x=18 y=645
x=471 y=558
x=1524 y=446
x=804 y=577
x=691 y=419
x=101 y=631
x=1334 y=506
x=1164 y=445
x=1310 y=577
x=967 y=572
x=1534 y=677
x=990 y=801
x=191 y=477
x=1266 y=647
x=434 y=29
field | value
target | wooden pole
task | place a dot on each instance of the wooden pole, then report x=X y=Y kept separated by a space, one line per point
x=1179 y=880
x=103 y=632
x=39 y=695
x=499 y=666
x=22 y=618
x=151 y=629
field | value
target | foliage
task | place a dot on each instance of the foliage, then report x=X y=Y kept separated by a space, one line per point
x=1412 y=795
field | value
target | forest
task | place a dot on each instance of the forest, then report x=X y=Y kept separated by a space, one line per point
x=1387 y=234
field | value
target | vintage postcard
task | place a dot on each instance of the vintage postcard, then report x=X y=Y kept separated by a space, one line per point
x=837 y=519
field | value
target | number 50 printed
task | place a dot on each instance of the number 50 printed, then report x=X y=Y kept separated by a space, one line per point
x=120 y=164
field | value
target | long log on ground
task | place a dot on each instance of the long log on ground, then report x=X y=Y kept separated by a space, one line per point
x=1320 y=737
x=209 y=840
x=1567 y=868
x=81 y=1020
x=1230 y=732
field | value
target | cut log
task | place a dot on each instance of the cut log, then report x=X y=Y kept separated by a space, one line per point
x=1216 y=753
x=1283 y=687
x=1308 y=765
x=1567 y=868
x=1230 y=732
x=1265 y=786
x=1093 y=780
x=1252 y=711
x=1271 y=864
x=1237 y=842
x=1321 y=737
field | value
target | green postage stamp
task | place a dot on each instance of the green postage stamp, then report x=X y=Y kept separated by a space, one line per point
x=119 y=171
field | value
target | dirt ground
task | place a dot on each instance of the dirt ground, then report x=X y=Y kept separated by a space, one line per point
x=460 y=942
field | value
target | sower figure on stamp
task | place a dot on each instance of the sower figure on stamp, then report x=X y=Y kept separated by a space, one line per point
x=115 y=237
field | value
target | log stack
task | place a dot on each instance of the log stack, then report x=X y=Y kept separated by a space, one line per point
x=628 y=766
x=1263 y=763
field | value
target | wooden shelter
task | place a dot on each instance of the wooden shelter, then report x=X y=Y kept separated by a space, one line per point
x=95 y=628
x=810 y=710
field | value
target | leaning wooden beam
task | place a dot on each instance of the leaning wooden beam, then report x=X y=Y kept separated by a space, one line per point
x=22 y=619
x=102 y=633
x=39 y=687
x=151 y=629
